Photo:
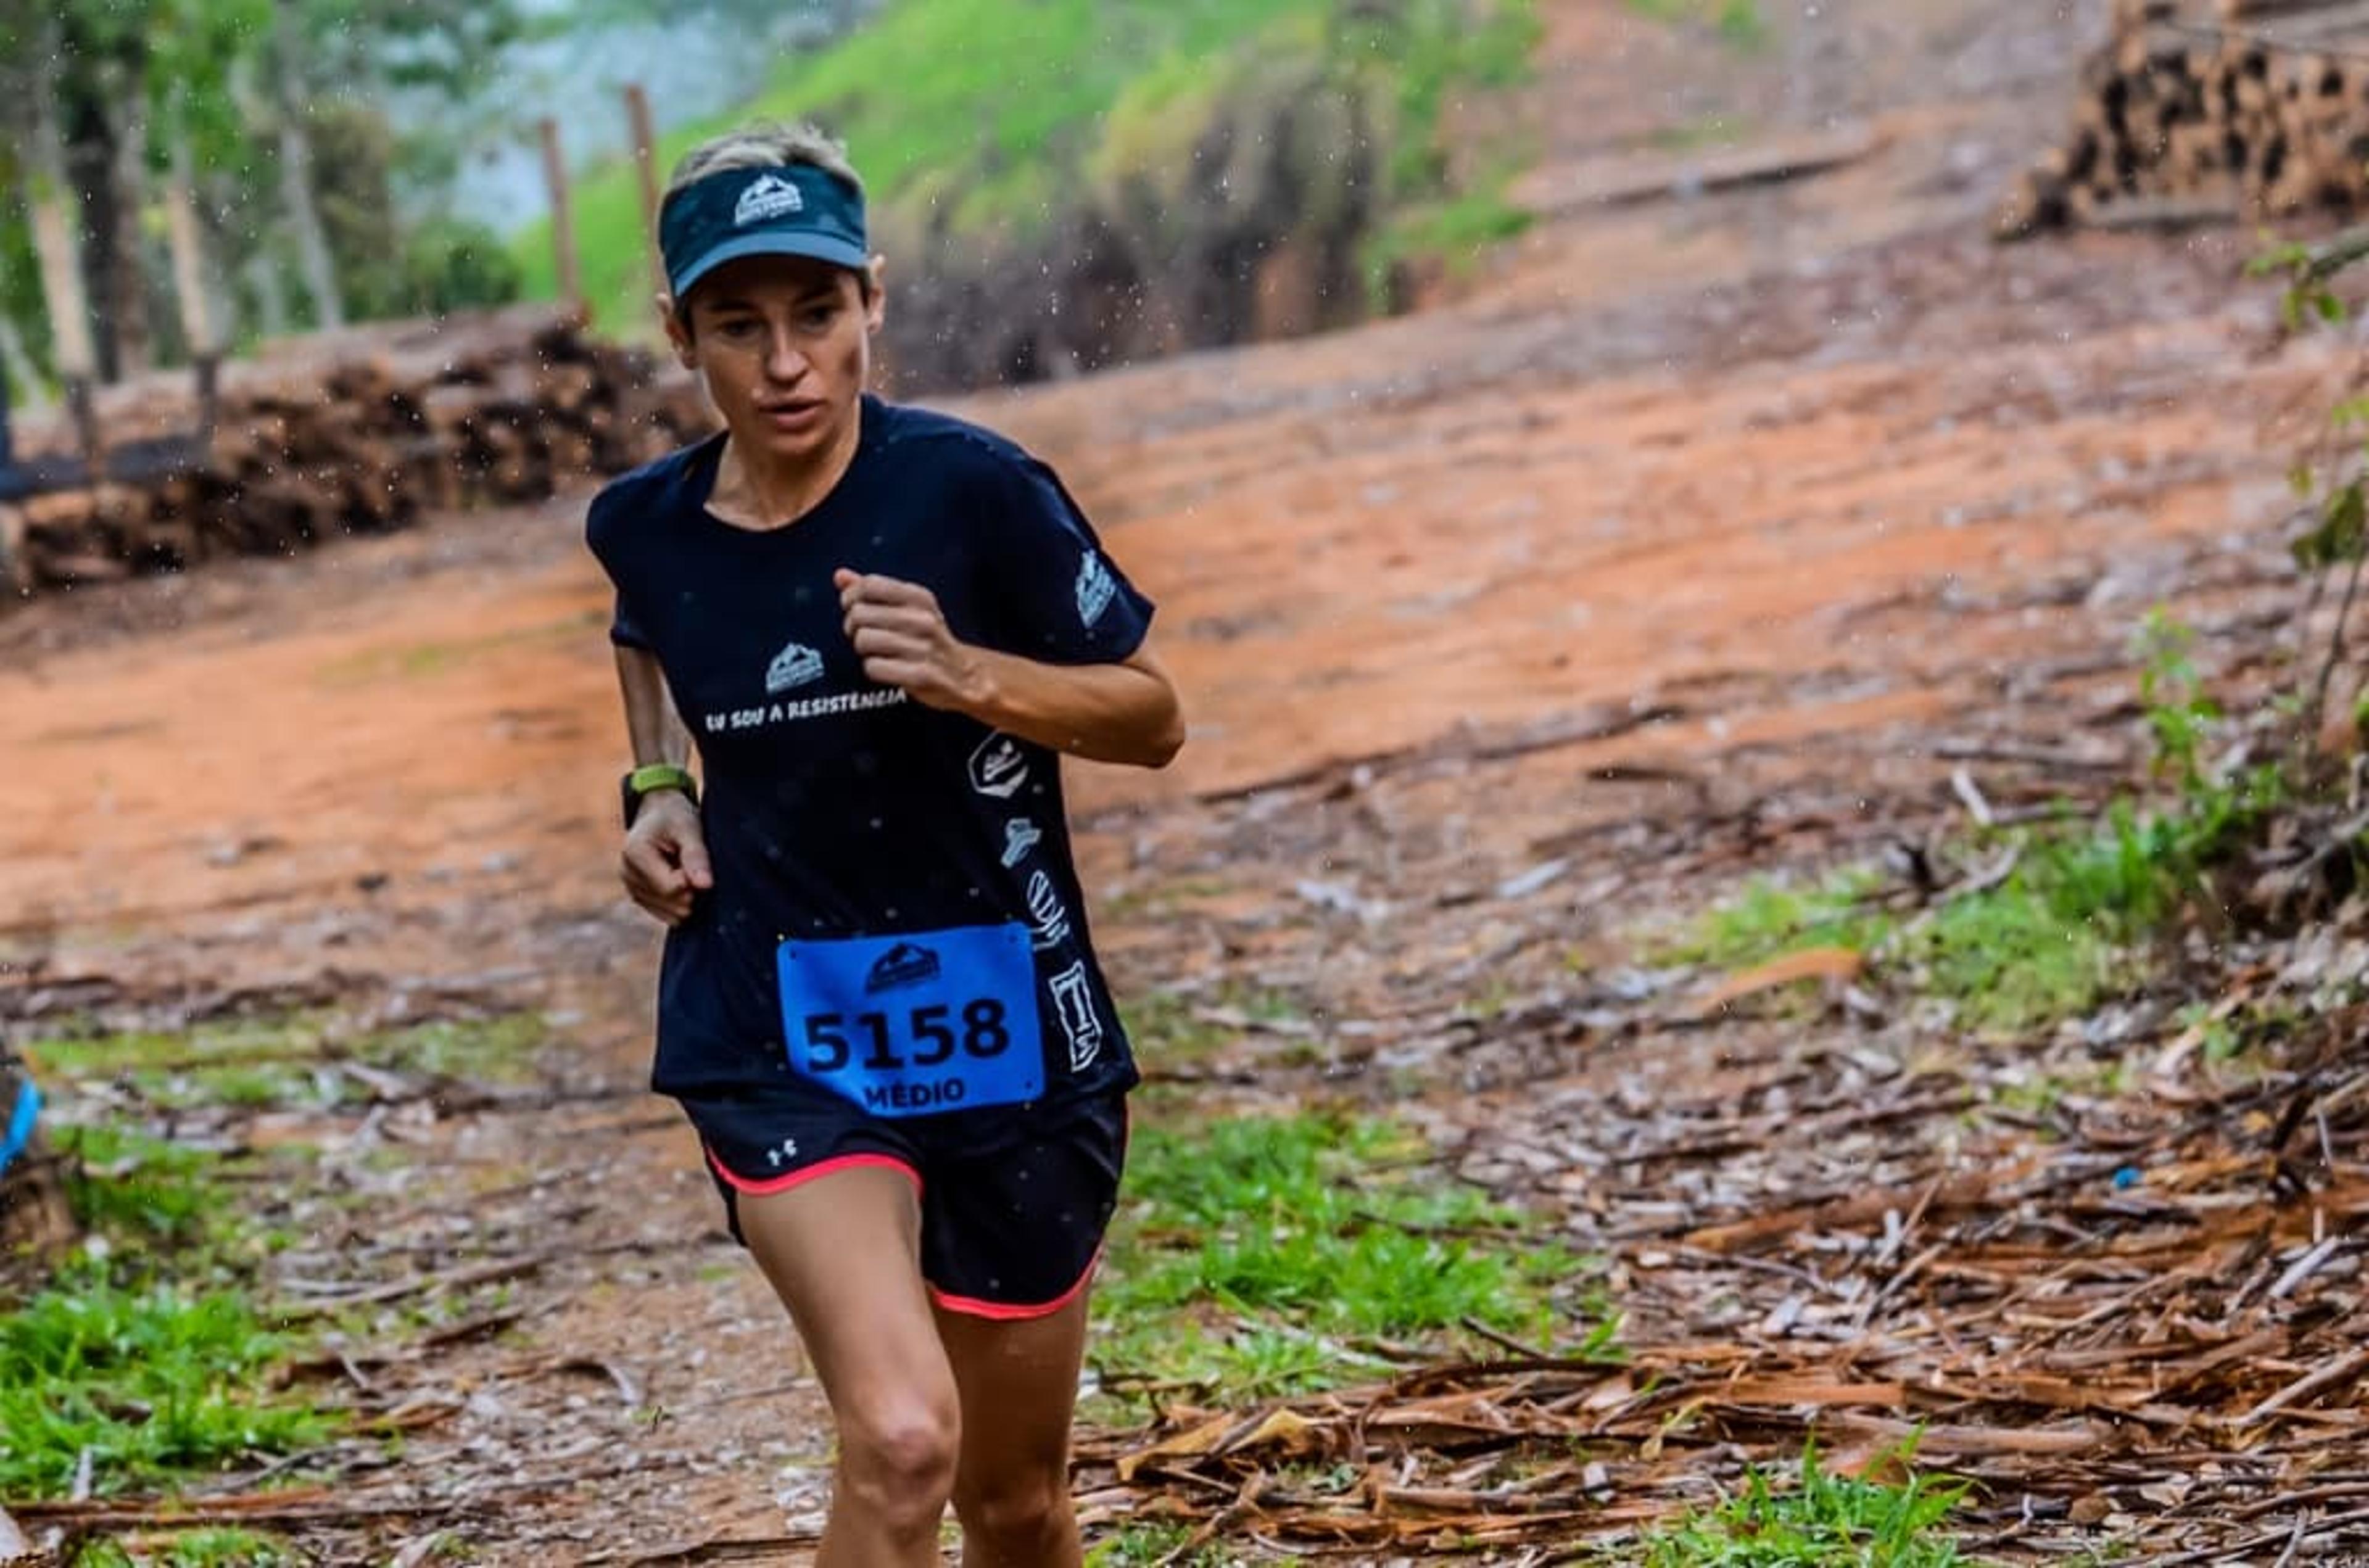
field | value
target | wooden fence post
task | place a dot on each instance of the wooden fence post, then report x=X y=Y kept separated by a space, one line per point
x=197 y=324
x=646 y=169
x=77 y=361
x=563 y=224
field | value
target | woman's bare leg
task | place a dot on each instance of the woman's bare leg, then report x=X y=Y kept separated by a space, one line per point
x=843 y=1252
x=1019 y=1387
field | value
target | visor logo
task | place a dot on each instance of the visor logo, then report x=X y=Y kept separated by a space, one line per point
x=769 y=196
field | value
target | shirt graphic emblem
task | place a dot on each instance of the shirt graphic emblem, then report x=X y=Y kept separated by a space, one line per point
x=1045 y=908
x=796 y=665
x=999 y=768
x=1096 y=589
x=769 y=196
x=1020 y=836
x=1074 y=998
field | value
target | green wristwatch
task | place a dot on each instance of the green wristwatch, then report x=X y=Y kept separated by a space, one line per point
x=643 y=782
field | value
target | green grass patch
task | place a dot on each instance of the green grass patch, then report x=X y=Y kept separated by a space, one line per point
x=1171 y=1027
x=148 y=1193
x=95 y=1053
x=1823 y=1521
x=150 y=1351
x=288 y=1063
x=153 y=1380
x=2076 y=920
x=219 y=1548
x=2065 y=930
x=984 y=118
x=500 y=1049
x=1161 y=900
x=1145 y=1545
x=1253 y=1254
x=153 y=1190
x=1740 y=22
x=2072 y=922
x=1163 y=1027
x=1770 y=915
x=1457 y=232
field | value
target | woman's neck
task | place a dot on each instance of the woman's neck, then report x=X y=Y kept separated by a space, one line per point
x=755 y=493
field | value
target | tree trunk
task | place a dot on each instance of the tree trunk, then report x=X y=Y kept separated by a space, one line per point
x=218 y=197
x=202 y=323
x=296 y=172
x=17 y=362
x=55 y=213
x=124 y=110
x=271 y=295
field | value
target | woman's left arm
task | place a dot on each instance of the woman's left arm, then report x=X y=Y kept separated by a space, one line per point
x=1127 y=712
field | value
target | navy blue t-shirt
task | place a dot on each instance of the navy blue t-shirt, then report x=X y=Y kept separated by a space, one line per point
x=835 y=807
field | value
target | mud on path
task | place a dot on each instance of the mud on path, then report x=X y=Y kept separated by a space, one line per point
x=1695 y=537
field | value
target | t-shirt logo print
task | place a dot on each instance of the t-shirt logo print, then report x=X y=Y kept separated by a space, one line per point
x=796 y=665
x=769 y=196
x=1096 y=589
x=906 y=964
x=1020 y=836
x=999 y=768
x=1073 y=996
x=1045 y=908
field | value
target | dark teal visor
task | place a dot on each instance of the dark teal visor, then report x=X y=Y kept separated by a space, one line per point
x=792 y=210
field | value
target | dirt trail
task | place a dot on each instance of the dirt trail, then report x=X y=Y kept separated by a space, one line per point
x=1718 y=511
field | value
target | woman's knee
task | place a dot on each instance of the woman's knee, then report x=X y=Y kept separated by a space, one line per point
x=899 y=1456
x=1017 y=1508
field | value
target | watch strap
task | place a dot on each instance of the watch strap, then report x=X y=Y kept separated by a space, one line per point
x=652 y=777
x=662 y=775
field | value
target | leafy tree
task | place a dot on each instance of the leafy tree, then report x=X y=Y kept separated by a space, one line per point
x=228 y=95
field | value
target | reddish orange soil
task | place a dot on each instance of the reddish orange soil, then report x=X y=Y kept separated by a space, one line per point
x=1667 y=504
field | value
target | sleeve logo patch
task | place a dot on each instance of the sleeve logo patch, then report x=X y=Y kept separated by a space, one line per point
x=1096 y=589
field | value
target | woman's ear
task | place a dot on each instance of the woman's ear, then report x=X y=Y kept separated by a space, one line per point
x=876 y=291
x=678 y=331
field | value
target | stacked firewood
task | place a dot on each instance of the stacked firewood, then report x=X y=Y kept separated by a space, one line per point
x=2198 y=108
x=358 y=431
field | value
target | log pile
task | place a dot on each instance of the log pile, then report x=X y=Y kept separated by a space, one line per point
x=356 y=431
x=2198 y=109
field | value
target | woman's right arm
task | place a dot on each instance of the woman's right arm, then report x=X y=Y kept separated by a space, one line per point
x=665 y=863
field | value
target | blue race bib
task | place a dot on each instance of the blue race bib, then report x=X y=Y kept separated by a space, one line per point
x=914 y=1026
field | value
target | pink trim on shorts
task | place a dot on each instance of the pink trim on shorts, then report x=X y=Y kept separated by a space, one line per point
x=800 y=1177
x=1004 y=1311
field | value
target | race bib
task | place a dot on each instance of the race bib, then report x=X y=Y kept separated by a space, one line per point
x=912 y=1026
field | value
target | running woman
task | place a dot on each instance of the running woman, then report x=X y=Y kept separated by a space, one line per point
x=880 y=628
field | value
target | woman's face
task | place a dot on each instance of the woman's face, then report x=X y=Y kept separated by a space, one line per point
x=784 y=345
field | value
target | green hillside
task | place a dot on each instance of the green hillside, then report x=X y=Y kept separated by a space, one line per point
x=996 y=112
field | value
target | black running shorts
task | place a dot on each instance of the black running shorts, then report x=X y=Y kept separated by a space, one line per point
x=1010 y=1228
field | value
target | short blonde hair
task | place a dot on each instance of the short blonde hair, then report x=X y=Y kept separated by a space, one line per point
x=766 y=145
